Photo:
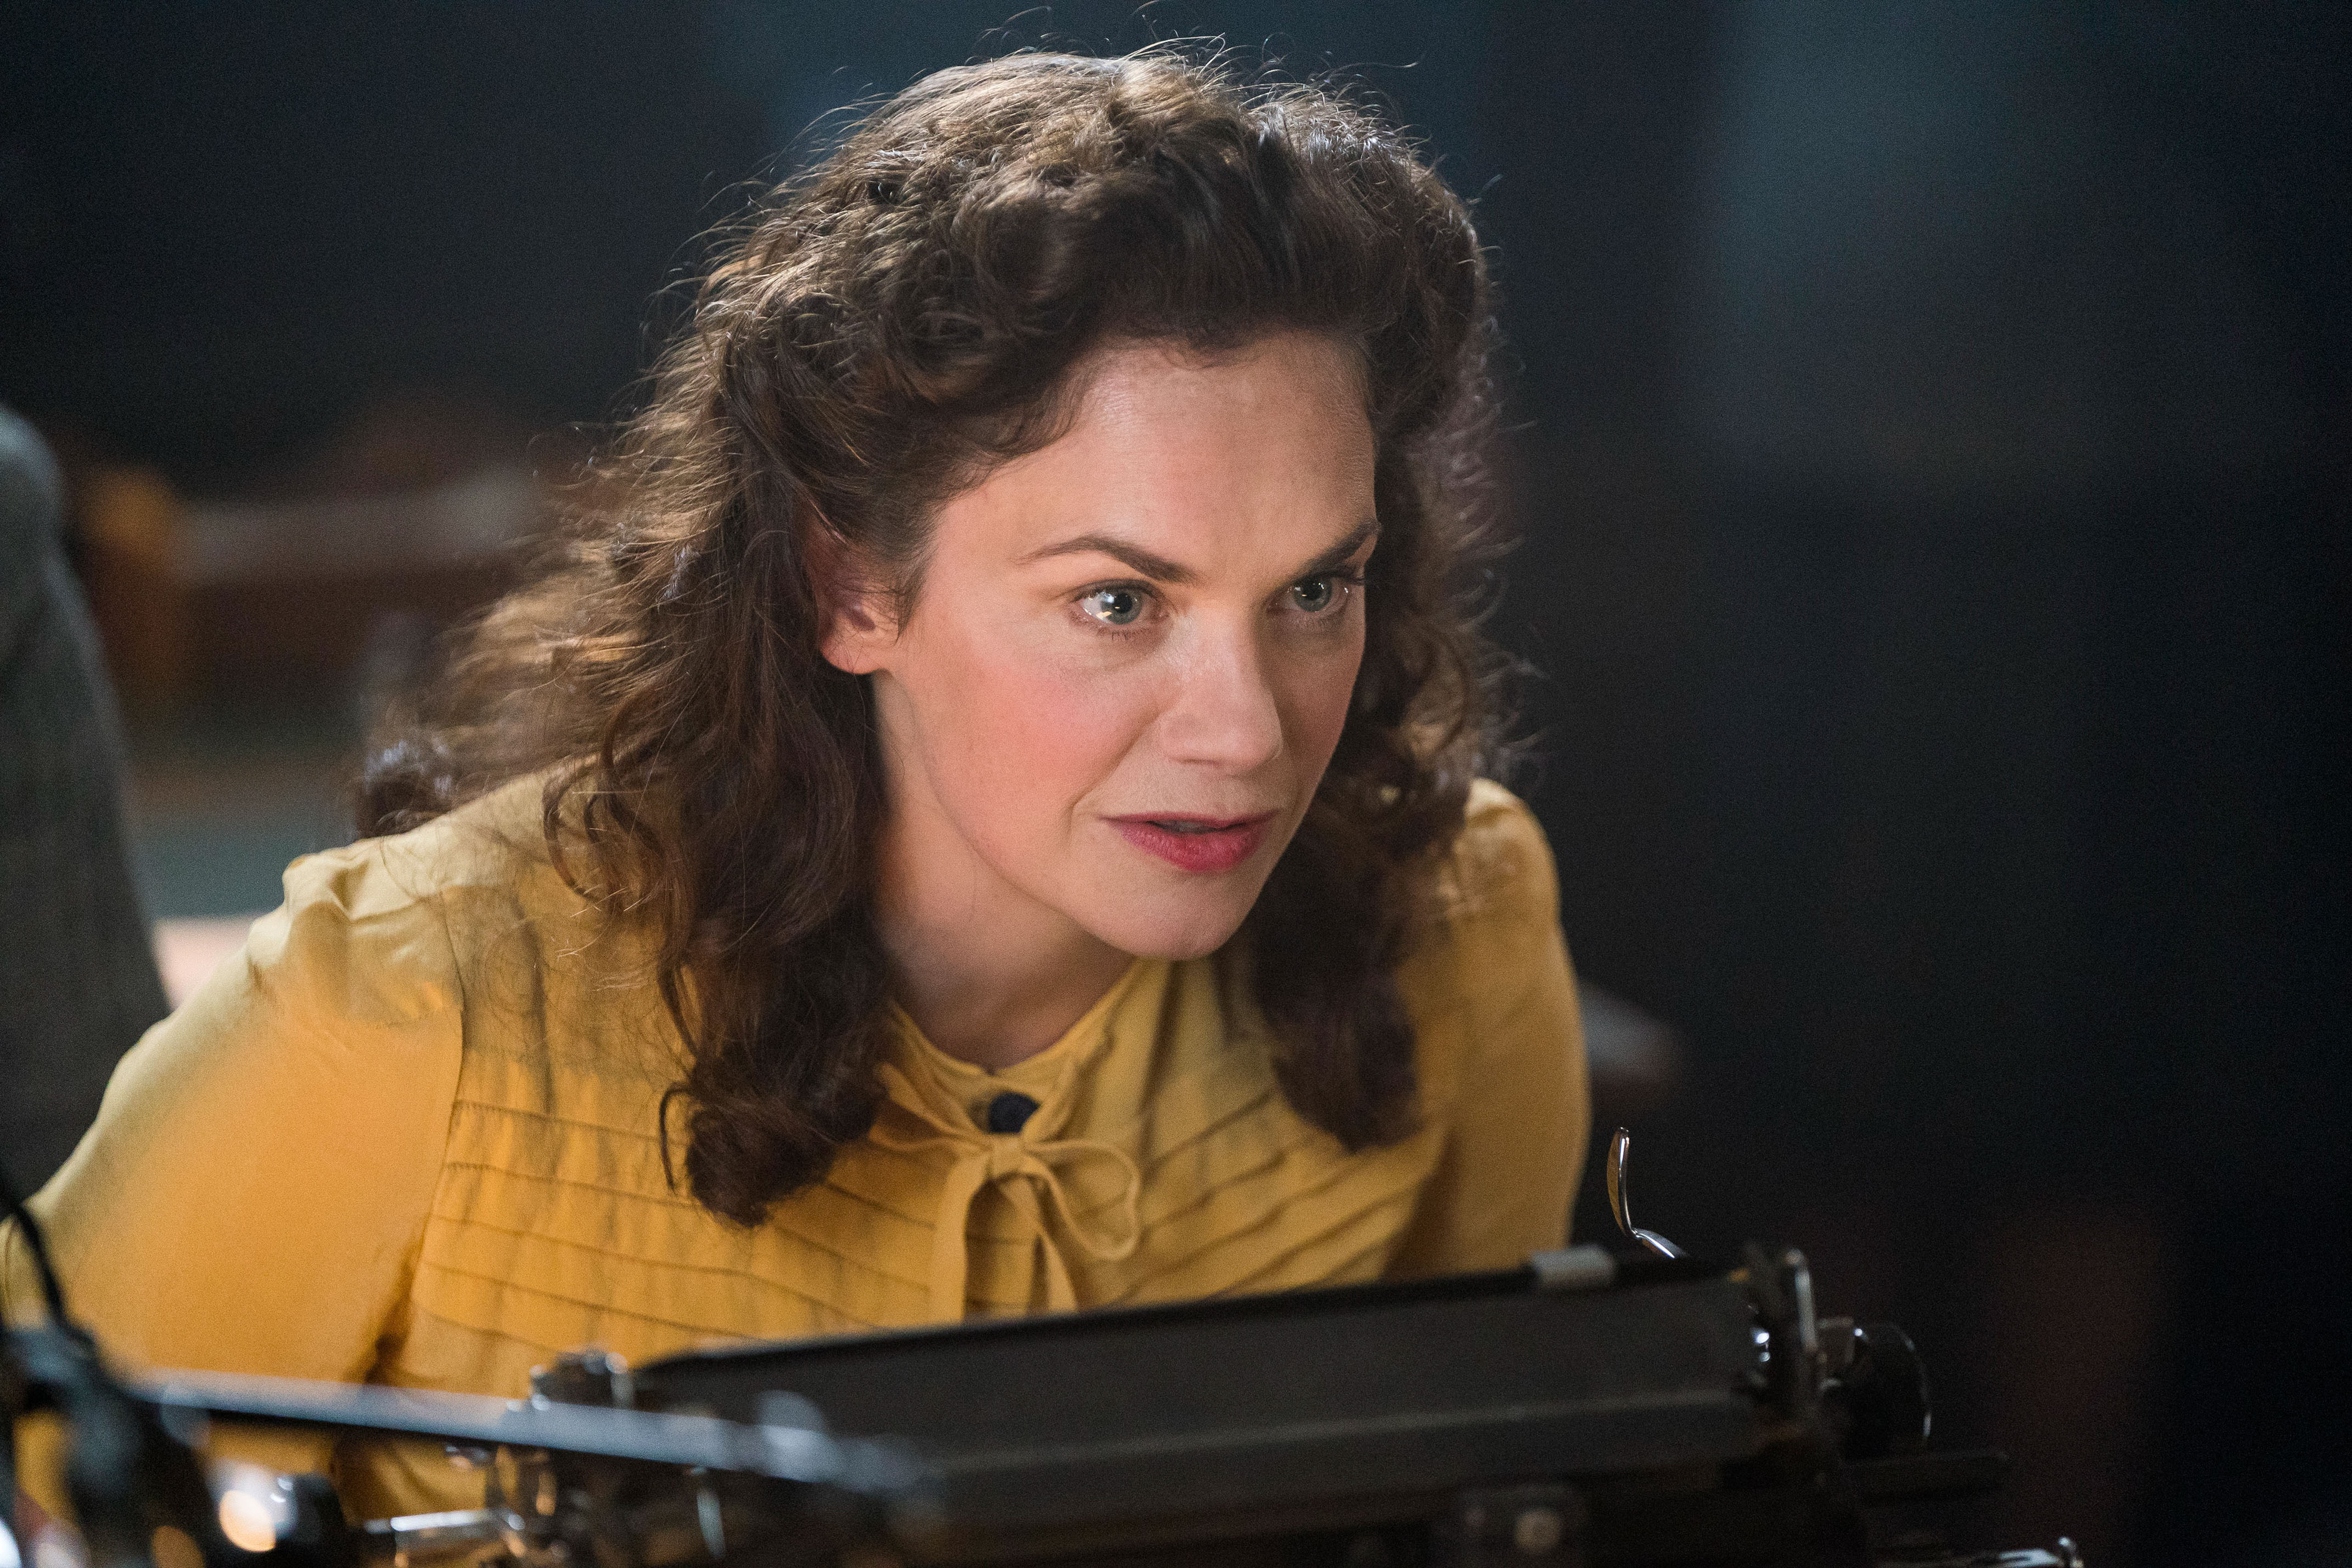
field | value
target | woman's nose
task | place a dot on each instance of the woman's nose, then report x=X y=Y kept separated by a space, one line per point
x=1224 y=711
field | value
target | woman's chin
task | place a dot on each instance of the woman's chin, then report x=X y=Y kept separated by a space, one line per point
x=1173 y=934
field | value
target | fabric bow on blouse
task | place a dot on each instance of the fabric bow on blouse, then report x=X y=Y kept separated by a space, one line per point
x=1027 y=1167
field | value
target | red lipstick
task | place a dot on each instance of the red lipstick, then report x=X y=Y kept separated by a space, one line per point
x=1205 y=844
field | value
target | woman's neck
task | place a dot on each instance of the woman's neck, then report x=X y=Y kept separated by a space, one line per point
x=990 y=975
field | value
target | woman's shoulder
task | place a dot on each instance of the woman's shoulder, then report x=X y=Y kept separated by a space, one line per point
x=402 y=924
x=1500 y=1048
x=1500 y=864
x=493 y=843
x=1493 y=950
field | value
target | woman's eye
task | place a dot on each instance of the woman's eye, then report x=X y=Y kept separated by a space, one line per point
x=1315 y=594
x=1113 y=606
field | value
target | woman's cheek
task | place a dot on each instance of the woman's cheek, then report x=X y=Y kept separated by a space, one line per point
x=1050 y=729
x=1318 y=697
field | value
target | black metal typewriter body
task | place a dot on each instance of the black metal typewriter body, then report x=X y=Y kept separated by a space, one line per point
x=1584 y=1409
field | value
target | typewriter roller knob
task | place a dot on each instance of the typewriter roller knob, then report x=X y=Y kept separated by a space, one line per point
x=1875 y=1387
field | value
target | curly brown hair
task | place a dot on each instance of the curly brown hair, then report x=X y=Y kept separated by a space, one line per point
x=881 y=331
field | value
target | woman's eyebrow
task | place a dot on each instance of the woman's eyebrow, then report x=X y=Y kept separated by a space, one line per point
x=1336 y=556
x=1160 y=569
x=1134 y=557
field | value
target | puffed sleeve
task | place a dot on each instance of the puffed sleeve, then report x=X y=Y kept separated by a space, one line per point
x=1511 y=1098
x=255 y=1191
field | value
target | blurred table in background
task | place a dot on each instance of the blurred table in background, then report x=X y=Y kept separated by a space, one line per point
x=282 y=582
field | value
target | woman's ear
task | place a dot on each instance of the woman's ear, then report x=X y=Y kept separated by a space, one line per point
x=858 y=626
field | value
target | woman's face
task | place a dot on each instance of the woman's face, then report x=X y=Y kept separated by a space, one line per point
x=1131 y=654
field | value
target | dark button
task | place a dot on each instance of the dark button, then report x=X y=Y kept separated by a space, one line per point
x=1008 y=1113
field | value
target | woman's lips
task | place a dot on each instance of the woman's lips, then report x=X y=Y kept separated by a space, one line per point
x=1197 y=843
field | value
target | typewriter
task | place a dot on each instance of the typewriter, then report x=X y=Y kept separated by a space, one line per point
x=1592 y=1406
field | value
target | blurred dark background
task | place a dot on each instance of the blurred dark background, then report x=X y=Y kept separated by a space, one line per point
x=1929 y=429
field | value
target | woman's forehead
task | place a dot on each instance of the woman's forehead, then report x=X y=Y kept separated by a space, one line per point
x=1264 y=446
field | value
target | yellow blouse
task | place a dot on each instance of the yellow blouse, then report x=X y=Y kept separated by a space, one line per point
x=410 y=1136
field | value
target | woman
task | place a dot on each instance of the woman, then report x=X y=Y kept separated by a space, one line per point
x=982 y=822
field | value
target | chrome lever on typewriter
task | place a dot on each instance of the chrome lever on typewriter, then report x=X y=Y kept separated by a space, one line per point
x=1620 y=1146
